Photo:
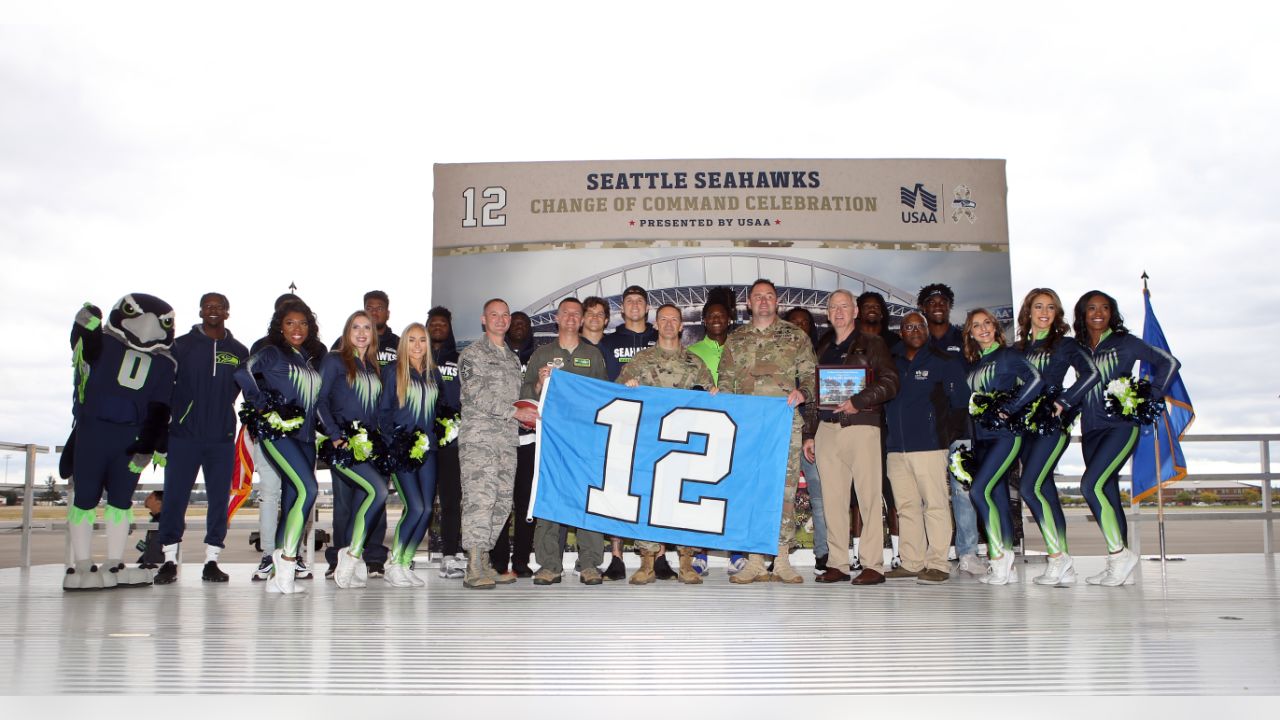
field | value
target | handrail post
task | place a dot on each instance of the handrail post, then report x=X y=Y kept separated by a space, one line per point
x=1268 y=532
x=28 y=499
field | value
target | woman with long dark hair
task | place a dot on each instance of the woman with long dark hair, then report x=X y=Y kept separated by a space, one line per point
x=1108 y=441
x=1043 y=339
x=407 y=418
x=282 y=371
x=996 y=369
x=350 y=391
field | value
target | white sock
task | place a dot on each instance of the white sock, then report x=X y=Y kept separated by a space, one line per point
x=893 y=540
x=856 y=542
x=171 y=553
x=211 y=553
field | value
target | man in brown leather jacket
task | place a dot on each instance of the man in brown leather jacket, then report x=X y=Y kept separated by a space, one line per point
x=845 y=442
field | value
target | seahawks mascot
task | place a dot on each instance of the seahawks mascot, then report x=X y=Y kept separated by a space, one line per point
x=123 y=378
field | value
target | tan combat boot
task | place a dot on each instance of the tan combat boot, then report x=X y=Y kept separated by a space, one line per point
x=753 y=571
x=476 y=579
x=782 y=570
x=645 y=574
x=687 y=574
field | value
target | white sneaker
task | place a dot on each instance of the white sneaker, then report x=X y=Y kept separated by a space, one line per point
x=973 y=565
x=412 y=577
x=1120 y=568
x=454 y=567
x=361 y=577
x=346 y=571
x=395 y=576
x=1061 y=572
x=282 y=580
x=736 y=563
x=1001 y=570
x=1097 y=579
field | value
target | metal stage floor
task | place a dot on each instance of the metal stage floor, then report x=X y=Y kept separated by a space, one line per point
x=1211 y=628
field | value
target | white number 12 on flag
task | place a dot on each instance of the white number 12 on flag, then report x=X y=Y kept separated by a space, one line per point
x=670 y=472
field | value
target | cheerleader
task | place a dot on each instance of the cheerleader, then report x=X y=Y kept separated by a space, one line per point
x=351 y=388
x=281 y=374
x=406 y=418
x=995 y=369
x=1043 y=339
x=1109 y=440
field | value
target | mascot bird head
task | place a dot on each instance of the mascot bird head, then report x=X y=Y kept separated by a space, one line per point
x=143 y=322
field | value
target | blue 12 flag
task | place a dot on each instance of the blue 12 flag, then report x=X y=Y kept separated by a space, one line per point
x=1158 y=459
x=671 y=466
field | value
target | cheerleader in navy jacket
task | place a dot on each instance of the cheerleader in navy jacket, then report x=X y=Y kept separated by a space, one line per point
x=406 y=417
x=351 y=386
x=1042 y=338
x=1109 y=441
x=996 y=368
x=282 y=366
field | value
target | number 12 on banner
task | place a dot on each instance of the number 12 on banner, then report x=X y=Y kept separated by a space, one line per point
x=670 y=472
x=489 y=215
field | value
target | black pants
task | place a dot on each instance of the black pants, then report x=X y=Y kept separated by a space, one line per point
x=502 y=549
x=449 y=489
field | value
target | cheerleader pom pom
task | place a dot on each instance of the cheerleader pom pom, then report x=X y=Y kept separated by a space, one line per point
x=357 y=447
x=987 y=409
x=1131 y=399
x=274 y=419
x=1038 y=418
x=961 y=463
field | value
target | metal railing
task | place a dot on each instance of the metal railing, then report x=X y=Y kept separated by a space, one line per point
x=1264 y=477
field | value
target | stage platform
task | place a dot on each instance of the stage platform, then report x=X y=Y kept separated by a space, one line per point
x=1210 y=627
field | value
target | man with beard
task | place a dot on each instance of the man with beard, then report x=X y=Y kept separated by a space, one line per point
x=444 y=351
x=935 y=302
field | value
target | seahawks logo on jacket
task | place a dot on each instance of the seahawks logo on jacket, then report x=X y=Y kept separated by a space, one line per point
x=143 y=322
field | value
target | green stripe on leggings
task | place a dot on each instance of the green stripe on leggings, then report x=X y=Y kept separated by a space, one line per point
x=1110 y=526
x=397 y=549
x=995 y=538
x=1055 y=540
x=356 y=548
x=293 y=519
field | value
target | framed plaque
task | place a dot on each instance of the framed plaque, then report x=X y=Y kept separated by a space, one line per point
x=837 y=383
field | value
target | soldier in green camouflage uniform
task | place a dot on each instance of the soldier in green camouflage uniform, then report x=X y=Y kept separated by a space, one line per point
x=490 y=374
x=666 y=365
x=771 y=357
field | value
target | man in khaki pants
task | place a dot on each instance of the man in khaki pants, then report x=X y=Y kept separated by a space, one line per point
x=845 y=443
x=931 y=409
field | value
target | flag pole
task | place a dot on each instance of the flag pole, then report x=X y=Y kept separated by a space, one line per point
x=1159 y=471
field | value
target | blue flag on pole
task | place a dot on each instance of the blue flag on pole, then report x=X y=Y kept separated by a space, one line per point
x=1158 y=459
x=671 y=466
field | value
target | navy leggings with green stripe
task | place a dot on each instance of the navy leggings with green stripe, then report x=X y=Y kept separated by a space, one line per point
x=369 y=499
x=417 y=489
x=990 y=491
x=1040 y=455
x=1105 y=452
x=295 y=462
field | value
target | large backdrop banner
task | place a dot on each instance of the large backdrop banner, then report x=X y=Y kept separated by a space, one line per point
x=534 y=233
x=672 y=466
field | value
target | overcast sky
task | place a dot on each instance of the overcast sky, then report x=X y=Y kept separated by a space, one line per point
x=252 y=145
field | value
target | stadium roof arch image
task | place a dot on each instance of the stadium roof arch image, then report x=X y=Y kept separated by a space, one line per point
x=684 y=281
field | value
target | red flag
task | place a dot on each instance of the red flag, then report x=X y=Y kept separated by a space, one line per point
x=241 y=473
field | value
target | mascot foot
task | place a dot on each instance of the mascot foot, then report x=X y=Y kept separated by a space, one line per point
x=83 y=576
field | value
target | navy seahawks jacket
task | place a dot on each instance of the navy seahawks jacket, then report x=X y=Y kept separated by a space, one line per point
x=289 y=373
x=419 y=409
x=1004 y=369
x=619 y=346
x=931 y=408
x=449 y=401
x=204 y=394
x=1053 y=365
x=1115 y=356
x=343 y=402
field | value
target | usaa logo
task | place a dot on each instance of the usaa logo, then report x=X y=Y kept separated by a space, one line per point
x=923 y=204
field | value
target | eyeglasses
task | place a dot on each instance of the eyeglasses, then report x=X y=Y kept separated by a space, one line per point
x=913 y=327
